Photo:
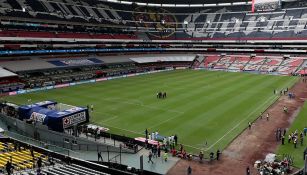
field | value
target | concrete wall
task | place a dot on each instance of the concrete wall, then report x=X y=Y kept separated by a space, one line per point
x=41 y=133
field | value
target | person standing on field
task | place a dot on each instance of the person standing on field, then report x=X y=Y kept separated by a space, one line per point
x=146 y=133
x=165 y=156
x=176 y=139
x=189 y=170
x=248 y=172
x=283 y=140
x=218 y=154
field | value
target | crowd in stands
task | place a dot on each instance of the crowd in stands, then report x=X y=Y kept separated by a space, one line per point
x=212 y=22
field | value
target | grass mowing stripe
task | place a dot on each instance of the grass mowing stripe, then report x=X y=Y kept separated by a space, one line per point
x=200 y=103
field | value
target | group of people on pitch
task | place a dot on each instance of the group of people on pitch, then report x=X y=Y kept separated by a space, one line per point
x=169 y=145
x=161 y=95
x=294 y=137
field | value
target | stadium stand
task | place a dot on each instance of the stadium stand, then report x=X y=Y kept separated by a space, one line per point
x=231 y=22
x=9 y=81
x=259 y=63
x=27 y=159
x=111 y=36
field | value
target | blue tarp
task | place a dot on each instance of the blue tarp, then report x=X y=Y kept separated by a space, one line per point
x=55 y=120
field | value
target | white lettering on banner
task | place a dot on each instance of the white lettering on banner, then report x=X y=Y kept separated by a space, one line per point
x=74 y=119
x=38 y=117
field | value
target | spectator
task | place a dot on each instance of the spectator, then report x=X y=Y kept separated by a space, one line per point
x=8 y=167
x=99 y=157
x=176 y=139
x=201 y=156
x=189 y=170
x=248 y=171
x=159 y=150
x=211 y=156
x=39 y=162
x=165 y=156
x=218 y=154
x=150 y=158
x=32 y=152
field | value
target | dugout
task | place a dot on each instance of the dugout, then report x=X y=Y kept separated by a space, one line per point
x=56 y=116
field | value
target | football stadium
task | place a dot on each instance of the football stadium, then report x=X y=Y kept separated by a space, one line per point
x=141 y=87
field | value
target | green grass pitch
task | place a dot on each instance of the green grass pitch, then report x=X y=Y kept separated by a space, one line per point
x=202 y=106
x=299 y=124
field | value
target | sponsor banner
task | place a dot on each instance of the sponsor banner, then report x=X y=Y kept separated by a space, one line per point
x=181 y=68
x=72 y=84
x=101 y=79
x=49 y=87
x=74 y=119
x=116 y=77
x=253 y=72
x=38 y=117
x=81 y=82
x=131 y=75
x=233 y=70
x=21 y=91
x=92 y=81
x=13 y=93
x=61 y=85
x=32 y=90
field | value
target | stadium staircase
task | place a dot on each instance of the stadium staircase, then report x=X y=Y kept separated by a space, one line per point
x=262 y=64
x=301 y=66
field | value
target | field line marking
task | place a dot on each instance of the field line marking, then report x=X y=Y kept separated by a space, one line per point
x=142 y=105
x=158 y=124
x=112 y=117
x=263 y=104
x=290 y=83
x=109 y=119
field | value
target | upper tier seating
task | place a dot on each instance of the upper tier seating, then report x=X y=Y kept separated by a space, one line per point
x=159 y=23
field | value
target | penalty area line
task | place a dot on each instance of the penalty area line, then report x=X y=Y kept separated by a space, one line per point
x=237 y=125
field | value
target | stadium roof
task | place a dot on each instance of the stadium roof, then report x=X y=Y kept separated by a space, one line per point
x=6 y=73
x=189 y=1
x=182 y=3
